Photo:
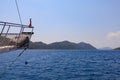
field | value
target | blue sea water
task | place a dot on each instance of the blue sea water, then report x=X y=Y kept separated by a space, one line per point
x=61 y=65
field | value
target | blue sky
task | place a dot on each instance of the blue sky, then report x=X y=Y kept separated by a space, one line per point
x=93 y=21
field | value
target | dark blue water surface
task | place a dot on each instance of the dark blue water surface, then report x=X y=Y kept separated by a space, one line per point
x=61 y=65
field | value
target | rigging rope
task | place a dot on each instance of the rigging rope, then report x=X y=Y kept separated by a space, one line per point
x=18 y=11
x=7 y=67
x=17 y=57
x=21 y=30
x=19 y=34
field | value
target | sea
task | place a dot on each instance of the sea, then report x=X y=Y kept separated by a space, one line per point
x=60 y=65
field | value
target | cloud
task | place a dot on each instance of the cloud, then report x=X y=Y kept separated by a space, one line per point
x=112 y=35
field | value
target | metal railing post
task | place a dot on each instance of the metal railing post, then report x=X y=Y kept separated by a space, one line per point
x=3 y=29
x=7 y=31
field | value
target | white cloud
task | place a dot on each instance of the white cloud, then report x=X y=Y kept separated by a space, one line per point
x=112 y=35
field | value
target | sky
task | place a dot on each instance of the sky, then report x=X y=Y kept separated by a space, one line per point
x=92 y=21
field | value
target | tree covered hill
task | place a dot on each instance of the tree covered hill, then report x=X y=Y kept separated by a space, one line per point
x=62 y=45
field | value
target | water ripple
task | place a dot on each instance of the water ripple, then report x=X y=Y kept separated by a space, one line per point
x=61 y=65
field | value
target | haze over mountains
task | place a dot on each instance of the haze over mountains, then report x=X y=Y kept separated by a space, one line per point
x=62 y=45
x=105 y=48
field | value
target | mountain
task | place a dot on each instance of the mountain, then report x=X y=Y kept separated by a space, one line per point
x=117 y=48
x=84 y=45
x=62 y=45
x=38 y=45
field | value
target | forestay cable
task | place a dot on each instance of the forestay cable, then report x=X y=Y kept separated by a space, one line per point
x=19 y=34
x=18 y=11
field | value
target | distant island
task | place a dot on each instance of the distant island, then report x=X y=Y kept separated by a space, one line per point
x=62 y=45
x=117 y=48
